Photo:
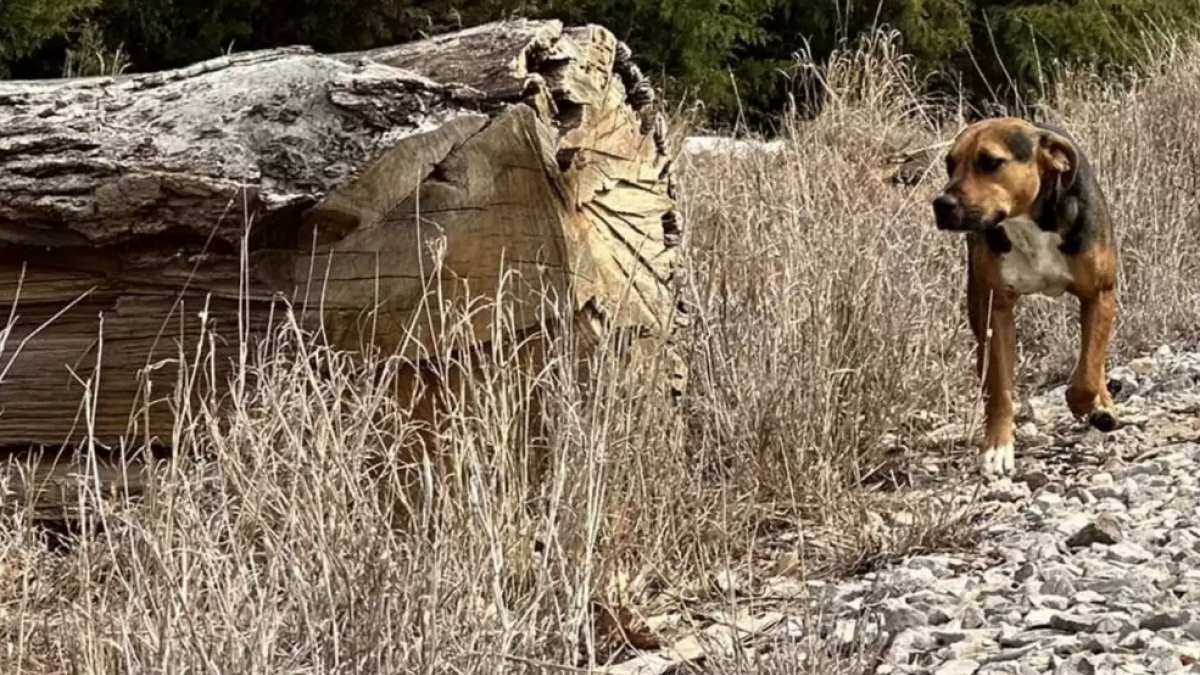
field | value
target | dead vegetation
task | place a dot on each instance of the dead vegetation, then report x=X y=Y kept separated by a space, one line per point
x=826 y=333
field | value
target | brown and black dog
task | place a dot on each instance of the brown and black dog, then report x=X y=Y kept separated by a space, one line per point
x=1016 y=183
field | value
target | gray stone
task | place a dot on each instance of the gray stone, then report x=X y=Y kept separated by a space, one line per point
x=955 y=586
x=1003 y=655
x=997 y=580
x=1036 y=480
x=1119 y=624
x=1136 y=641
x=1130 y=491
x=1088 y=598
x=1082 y=495
x=1103 y=486
x=903 y=580
x=939 y=616
x=958 y=667
x=1105 y=531
x=1143 y=365
x=1025 y=573
x=1039 y=661
x=1150 y=509
x=1027 y=637
x=996 y=604
x=898 y=615
x=973 y=646
x=906 y=643
x=1076 y=664
x=1157 y=622
x=1073 y=523
x=1007 y=668
x=1123 y=589
x=1166 y=666
x=1053 y=602
x=1039 y=618
x=1044 y=548
x=972 y=616
x=1048 y=499
x=1058 y=582
x=1006 y=491
x=1072 y=623
x=1065 y=644
x=1128 y=552
x=1099 y=644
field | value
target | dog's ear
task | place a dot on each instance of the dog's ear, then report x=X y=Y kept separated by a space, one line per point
x=1058 y=155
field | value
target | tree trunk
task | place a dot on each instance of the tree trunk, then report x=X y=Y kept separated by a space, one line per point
x=128 y=204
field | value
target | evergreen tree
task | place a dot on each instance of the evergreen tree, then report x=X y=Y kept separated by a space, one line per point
x=25 y=25
x=738 y=56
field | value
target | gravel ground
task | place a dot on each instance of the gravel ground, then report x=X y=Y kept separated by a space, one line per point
x=1090 y=563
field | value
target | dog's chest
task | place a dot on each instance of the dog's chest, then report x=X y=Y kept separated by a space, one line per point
x=1034 y=264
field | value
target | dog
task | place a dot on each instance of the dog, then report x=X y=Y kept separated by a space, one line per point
x=1035 y=222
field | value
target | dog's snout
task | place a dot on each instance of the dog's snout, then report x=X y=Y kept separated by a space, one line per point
x=946 y=211
x=944 y=205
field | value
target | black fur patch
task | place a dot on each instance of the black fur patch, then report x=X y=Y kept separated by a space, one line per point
x=997 y=239
x=1078 y=212
x=1020 y=145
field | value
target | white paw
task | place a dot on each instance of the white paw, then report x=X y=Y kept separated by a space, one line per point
x=998 y=461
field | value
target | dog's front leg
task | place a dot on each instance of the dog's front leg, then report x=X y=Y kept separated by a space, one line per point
x=1088 y=394
x=993 y=321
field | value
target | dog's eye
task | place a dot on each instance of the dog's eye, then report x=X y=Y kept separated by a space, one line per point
x=988 y=163
x=949 y=166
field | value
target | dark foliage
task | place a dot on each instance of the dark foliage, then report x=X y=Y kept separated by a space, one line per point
x=738 y=56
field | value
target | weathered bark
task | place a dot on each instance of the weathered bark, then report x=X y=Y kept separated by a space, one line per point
x=126 y=203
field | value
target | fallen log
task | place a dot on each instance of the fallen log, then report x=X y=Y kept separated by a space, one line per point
x=128 y=206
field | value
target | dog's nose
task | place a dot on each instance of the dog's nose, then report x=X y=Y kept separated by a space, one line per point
x=945 y=211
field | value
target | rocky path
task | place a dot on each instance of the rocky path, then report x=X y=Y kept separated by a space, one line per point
x=1089 y=562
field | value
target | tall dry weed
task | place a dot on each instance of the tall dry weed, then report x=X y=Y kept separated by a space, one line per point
x=827 y=317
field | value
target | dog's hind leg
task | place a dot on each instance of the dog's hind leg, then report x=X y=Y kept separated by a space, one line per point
x=1088 y=393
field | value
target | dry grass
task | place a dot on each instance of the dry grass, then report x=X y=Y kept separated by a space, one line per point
x=826 y=317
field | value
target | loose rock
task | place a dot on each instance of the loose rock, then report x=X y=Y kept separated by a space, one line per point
x=1091 y=557
x=1105 y=531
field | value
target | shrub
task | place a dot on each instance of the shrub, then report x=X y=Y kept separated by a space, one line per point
x=26 y=25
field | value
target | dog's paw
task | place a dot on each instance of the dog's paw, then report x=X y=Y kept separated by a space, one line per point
x=1095 y=405
x=1103 y=419
x=998 y=461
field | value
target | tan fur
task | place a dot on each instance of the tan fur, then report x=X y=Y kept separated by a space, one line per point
x=996 y=282
x=1013 y=187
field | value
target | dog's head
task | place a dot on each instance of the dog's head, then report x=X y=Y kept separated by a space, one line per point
x=1001 y=168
